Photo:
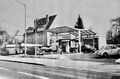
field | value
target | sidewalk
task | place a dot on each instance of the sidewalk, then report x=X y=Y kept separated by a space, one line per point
x=64 y=62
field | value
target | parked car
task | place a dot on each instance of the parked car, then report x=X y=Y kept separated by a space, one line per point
x=87 y=48
x=108 y=50
x=46 y=49
x=31 y=51
x=118 y=45
x=84 y=49
x=4 y=52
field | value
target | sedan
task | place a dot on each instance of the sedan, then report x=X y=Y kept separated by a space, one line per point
x=108 y=50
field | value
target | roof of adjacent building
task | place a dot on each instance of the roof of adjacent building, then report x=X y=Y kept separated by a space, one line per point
x=43 y=21
x=62 y=29
x=30 y=28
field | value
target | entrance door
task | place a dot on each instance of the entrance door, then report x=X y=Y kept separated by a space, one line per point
x=63 y=44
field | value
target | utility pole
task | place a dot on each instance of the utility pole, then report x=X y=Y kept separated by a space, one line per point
x=24 y=23
x=35 y=28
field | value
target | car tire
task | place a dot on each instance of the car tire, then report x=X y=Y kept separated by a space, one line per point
x=16 y=52
x=105 y=54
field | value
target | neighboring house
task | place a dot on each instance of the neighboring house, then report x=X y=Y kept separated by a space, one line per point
x=41 y=25
x=30 y=35
x=115 y=26
x=3 y=36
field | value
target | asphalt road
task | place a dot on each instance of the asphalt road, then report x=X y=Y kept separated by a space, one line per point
x=17 y=70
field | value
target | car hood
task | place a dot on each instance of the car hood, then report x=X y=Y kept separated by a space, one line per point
x=98 y=51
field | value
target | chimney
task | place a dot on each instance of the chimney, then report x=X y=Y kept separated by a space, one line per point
x=47 y=18
x=35 y=22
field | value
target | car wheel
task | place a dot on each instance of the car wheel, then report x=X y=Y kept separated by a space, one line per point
x=105 y=54
x=16 y=52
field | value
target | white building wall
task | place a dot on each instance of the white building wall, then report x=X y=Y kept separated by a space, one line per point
x=72 y=36
x=54 y=43
x=55 y=24
x=114 y=30
x=49 y=37
x=102 y=41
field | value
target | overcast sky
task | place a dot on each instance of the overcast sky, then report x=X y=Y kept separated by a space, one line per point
x=95 y=13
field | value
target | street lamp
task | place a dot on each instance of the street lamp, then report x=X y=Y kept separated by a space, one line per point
x=24 y=23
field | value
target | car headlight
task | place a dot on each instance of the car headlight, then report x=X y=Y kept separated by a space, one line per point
x=96 y=52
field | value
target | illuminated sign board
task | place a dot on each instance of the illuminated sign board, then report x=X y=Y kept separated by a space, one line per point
x=64 y=36
x=30 y=31
x=40 y=29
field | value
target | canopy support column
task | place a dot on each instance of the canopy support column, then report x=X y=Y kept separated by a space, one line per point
x=79 y=38
x=94 y=41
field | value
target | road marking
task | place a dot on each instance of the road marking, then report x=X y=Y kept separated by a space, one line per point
x=1 y=77
x=33 y=75
x=4 y=68
x=59 y=74
x=63 y=74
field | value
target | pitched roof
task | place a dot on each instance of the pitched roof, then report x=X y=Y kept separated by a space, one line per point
x=2 y=32
x=65 y=29
x=30 y=28
x=43 y=21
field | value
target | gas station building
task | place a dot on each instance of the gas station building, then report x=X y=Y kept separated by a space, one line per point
x=67 y=37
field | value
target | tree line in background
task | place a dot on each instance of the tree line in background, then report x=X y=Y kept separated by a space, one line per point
x=112 y=38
